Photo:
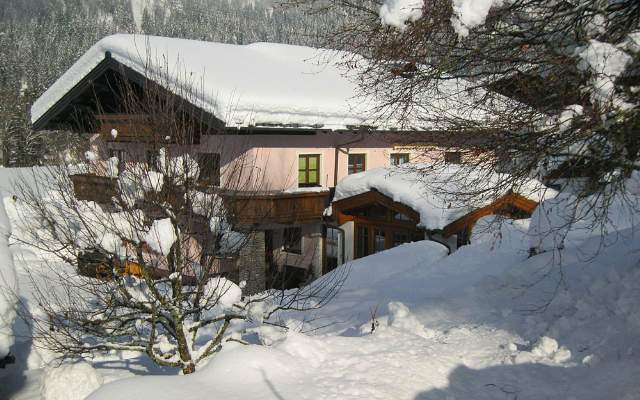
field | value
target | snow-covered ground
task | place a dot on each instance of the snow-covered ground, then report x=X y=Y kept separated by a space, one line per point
x=487 y=322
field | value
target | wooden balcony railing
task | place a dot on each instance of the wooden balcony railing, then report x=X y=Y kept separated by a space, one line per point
x=278 y=207
x=129 y=128
x=247 y=208
x=92 y=187
x=140 y=128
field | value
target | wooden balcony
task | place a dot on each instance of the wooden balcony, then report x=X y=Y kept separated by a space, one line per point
x=277 y=207
x=130 y=128
x=137 y=128
x=248 y=209
x=92 y=187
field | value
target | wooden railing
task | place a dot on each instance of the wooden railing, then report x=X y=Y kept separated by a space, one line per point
x=140 y=128
x=92 y=187
x=247 y=208
x=277 y=208
x=125 y=128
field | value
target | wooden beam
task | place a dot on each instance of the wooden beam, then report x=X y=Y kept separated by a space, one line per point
x=373 y=197
x=468 y=221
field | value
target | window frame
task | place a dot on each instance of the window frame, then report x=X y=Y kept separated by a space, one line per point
x=292 y=239
x=120 y=154
x=212 y=178
x=396 y=157
x=153 y=156
x=349 y=164
x=307 y=170
x=453 y=157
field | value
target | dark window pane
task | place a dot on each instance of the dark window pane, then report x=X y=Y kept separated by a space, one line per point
x=356 y=163
x=209 y=164
x=120 y=155
x=399 y=158
x=378 y=240
x=292 y=240
x=400 y=238
x=152 y=159
x=462 y=238
x=453 y=157
x=362 y=244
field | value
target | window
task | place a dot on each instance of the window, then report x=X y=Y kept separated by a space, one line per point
x=209 y=164
x=401 y=217
x=356 y=163
x=292 y=240
x=452 y=157
x=400 y=238
x=399 y=158
x=362 y=241
x=119 y=154
x=462 y=238
x=379 y=239
x=308 y=170
x=152 y=159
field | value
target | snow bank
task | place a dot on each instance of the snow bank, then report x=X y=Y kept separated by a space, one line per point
x=246 y=372
x=428 y=193
x=499 y=232
x=400 y=317
x=70 y=381
x=8 y=285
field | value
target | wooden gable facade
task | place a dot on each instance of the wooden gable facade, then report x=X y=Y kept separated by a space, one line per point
x=380 y=223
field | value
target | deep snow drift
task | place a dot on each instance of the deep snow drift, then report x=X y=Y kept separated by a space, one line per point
x=487 y=322
x=8 y=286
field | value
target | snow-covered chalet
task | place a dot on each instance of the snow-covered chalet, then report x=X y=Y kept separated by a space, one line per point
x=301 y=121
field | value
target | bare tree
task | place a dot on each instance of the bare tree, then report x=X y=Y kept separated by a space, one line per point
x=152 y=250
x=534 y=88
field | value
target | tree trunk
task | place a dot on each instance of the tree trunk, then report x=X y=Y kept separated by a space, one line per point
x=191 y=368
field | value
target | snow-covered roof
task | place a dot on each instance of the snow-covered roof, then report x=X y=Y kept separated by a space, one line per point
x=425 y=190
x=260 y=84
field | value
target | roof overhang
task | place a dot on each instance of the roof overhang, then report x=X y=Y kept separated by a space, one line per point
x=46 y=120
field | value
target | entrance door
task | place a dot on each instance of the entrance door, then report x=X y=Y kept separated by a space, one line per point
x=362 y=241
x=379 y=240
x=373 y=238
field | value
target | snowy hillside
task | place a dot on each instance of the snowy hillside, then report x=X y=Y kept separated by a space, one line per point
x=488 y=322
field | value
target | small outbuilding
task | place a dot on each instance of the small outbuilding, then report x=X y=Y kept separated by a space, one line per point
x=385 y=207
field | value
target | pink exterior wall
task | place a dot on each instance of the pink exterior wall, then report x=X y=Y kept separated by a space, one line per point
x=270 y=162
x=276 y=156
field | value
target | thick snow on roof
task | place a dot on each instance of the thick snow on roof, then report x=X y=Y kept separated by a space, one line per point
x=259 y=84
x=427 y=192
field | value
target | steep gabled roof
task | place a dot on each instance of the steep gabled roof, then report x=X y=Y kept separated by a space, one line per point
x=260 y=84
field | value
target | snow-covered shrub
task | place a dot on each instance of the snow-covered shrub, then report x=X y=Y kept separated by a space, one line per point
x=400 y=317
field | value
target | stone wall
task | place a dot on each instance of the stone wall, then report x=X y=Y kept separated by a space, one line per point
x=252 y=264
